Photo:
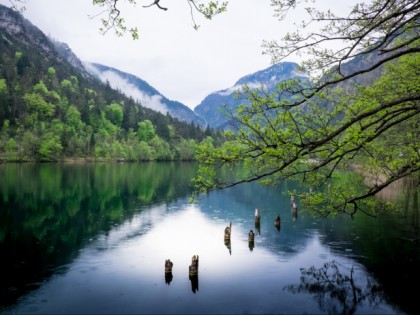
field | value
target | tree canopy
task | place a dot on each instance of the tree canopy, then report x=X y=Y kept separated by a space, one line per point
x=358 y=109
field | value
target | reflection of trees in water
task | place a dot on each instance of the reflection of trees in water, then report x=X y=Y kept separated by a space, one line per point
x=49 y=211
x=338 y=289
x=398 y=189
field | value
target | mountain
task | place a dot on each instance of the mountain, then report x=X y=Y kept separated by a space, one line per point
x=52 y=108
x=267 y=78
x=25 y=32
x=64 y=50
x=142 y=92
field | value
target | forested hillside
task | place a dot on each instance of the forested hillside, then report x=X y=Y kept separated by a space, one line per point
x=51 y=110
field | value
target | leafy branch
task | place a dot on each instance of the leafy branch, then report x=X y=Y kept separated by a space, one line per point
x=308 y=130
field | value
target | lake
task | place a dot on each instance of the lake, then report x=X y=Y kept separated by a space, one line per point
x=93 y=239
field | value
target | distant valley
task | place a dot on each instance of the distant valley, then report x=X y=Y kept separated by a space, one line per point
x=142 y=92
x=205 y=113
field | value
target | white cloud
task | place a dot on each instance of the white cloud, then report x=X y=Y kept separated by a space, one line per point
x=236 y=88
x=129 y=89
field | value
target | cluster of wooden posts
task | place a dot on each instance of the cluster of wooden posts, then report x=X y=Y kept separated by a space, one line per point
x=193 y=268
x=192 y=272
x=257 y=219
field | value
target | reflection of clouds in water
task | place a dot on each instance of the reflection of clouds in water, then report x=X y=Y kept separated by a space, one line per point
x=180 y=235
x=128 y=272
x=139 y=225
x=159 y=233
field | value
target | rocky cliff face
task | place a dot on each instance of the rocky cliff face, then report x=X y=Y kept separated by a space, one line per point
x=12 y=23
x=64 y=50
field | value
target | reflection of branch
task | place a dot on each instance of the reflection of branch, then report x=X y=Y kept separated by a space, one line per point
x=332 y=288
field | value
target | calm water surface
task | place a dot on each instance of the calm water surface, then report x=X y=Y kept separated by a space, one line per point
x=93 y=239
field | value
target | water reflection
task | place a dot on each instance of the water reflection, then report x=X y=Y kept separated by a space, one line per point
x=277 y=223
x=168 y=277
x=103 y=251
x=228 y=246
x=339 y=289
x=49 y=211
x=257 y=227
x=251 y=240
x=168 y=271
x=194 y=283
x=294 y=214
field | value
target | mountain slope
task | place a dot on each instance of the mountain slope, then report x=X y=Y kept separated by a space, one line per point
x=51 y=108
x=267 y=78
x=142 y=92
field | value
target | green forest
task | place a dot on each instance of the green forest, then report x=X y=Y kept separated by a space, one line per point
x=49 y=111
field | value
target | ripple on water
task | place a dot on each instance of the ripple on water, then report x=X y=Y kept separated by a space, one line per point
x=323 y=256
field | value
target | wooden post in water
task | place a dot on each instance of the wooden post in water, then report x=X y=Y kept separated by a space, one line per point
x=193 y=269
x=193 y=273
x=228 y=231
x=168 y=271
x=251 y=238
x=277 y=222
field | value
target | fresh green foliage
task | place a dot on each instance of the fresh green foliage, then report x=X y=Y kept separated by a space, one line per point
x=49 y=112
x=312 y=130
x=146 y=130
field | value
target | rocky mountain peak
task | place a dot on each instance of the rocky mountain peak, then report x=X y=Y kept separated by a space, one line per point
x=15 y=25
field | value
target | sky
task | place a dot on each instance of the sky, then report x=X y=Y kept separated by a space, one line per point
x=182 y=63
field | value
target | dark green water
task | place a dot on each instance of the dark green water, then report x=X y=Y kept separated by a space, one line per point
x=93 y=239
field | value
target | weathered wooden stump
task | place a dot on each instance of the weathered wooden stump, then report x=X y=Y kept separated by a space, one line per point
x=193 y=269
x=168 y=271
x=228 y=231
x=277 y=221
x=168 y=266
x=251 y=236
x=294 y=210
x=257 y=216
